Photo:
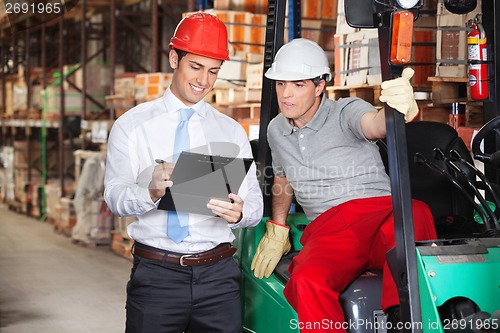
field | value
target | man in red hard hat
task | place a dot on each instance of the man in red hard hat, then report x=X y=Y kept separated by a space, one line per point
x=183 y=277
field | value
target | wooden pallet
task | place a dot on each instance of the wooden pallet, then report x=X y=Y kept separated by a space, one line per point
x=120 y=104
x=63 y=229
x=87 y=244
x=15 y=206
x=235 y=96
x=50 y=219
x=447 y=90
x=241 y=111
x=122 y=245
x=90 y=243
x=430 y=112
x=369 y=93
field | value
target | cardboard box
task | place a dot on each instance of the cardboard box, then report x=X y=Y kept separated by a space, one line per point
x=451 y=41
x=253 y=95
x=36 y=96
x=451 y=53
x=318 y=9
x=121 y=223
x=356 y=62
x=357 y=59
x=19 y=96
x=20 y=157
x=141 y=80
x=145 y=79
x=253 y=6
x=124 y=86
x=374 y=75
x=257 y=34
x=311 y=9
x=52 y=195
x=423 y=54
x=254 y=75
x=120 y=104
x=122 y=245
x=8 y=111
x=327 y=40
x=329 y=9
x=230 y=96
x=311 y=29
x=98 y=77
x=246 y=30
x=232 y=73
x=251 y=126
x=7 y=173
x=339 y=75
x=67 y=216
x=150 y=86
x=72 y=102
x=254 y=58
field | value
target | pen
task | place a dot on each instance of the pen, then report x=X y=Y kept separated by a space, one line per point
x=159 y=161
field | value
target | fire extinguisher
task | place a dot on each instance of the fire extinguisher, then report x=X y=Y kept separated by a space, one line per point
x=478 y=56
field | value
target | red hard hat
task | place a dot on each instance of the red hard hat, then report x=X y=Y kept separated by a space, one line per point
x=202 y=34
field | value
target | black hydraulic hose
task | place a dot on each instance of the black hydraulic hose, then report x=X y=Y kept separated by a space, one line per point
x=421 y=160
x=454 y=153
x=440 y=155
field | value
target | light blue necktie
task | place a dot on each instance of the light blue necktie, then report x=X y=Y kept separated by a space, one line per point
x=175 y=230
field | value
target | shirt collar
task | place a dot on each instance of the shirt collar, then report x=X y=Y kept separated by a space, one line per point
x=315 y=123
x=172 y=104
x=287 y=127
x=319 y=118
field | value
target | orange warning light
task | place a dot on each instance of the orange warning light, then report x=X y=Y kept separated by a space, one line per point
x=402 y=33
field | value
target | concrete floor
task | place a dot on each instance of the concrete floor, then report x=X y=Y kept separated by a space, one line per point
x=48 y=284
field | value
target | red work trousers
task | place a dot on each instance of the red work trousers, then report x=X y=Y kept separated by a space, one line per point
x=340 y=245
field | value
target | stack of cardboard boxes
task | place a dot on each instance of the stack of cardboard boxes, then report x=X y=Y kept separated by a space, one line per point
x=451 y=51
x=98 y=78
x=450 y=83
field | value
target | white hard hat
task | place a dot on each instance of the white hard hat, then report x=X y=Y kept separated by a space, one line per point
x=299 y=59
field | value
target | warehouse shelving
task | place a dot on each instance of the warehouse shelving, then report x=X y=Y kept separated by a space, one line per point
x=77 y=37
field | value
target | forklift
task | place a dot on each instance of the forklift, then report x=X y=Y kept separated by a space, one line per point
x=446 y=285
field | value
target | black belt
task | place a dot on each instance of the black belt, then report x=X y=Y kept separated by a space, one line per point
x=212 y=256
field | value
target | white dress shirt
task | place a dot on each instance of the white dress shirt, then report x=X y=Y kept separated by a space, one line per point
x=147 y=132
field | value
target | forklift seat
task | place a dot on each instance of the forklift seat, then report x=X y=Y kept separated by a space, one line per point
x=453 y=213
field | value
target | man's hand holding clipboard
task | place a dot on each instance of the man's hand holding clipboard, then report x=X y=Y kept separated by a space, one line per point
x=232 y=211
x=204 y=184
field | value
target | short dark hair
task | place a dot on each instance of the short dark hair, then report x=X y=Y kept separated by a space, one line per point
x=180 y=54
x=318 y=79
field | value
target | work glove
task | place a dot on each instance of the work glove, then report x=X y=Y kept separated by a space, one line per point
x=273 y=245
x=398 y=93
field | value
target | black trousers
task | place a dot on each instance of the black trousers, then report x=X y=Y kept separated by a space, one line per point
x=167 y=298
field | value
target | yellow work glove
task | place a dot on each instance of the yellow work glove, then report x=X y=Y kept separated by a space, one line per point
x=398 y=93
x=273 y=245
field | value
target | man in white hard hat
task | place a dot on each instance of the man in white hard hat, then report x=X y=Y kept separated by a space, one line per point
x=324 y=153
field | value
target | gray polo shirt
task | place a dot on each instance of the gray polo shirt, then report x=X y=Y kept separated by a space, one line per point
x=329 y=161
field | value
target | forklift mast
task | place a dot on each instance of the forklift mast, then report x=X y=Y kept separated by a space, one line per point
x=491 y=107
x=275 y=30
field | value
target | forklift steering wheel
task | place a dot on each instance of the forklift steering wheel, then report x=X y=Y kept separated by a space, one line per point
x=491 y=126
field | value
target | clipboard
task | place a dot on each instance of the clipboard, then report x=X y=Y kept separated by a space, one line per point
x=198 y=178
